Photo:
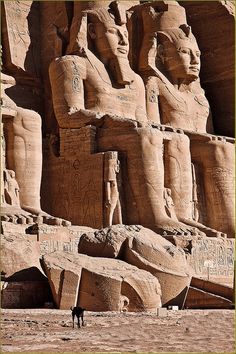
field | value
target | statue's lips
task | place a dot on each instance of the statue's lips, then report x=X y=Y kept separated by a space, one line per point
x=194 y=68
x=122 y=50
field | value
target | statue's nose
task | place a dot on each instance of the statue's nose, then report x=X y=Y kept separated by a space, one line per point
x=194 y=58
x=123 y=39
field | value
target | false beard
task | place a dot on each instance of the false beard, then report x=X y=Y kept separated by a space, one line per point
x=121 y=70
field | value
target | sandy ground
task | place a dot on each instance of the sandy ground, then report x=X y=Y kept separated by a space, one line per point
x=45 y=330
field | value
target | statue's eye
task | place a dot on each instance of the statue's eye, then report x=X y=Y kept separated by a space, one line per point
x=198 y=54
x=184 y=50
x=112 y=30
x=126 y=34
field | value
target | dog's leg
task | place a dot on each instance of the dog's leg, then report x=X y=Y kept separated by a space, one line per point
x=78 y=322
x=73 y=320
x=82 y=318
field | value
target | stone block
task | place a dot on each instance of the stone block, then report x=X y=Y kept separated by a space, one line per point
x=162 y=312
x=146 y=250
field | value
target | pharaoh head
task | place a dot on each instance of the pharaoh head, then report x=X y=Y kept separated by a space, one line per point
x=108 y=38
x=107 y=29
x=178 y=53
x=103 y=32
x=12 y=174
x=168 y=43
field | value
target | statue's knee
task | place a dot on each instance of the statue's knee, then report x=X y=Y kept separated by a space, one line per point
x=31 y=119
x=221 y=152
x=182 y=140
x=179 y=145
x=151 y=136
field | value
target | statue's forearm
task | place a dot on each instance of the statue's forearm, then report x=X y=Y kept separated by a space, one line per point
x=78 y=119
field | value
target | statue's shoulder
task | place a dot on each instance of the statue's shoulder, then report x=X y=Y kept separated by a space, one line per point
x=138 y=80
x=73 y=64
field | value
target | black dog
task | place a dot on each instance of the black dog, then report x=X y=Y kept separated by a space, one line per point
x=79 y=313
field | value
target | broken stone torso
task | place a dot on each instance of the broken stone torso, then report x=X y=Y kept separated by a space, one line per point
x=101 y=91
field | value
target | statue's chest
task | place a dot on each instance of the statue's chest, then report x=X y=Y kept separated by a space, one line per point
x=184 y=103
x=102 y=94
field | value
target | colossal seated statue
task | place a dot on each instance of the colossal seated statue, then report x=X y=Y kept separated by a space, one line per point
x=94 y=85
x=22 y=162
x=170 y=65
x=89 y=84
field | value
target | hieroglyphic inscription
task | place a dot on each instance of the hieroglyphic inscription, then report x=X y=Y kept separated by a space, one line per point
x=21 y=34
x=76 y=85
x=213 y=257
x=90 y=194
x=49 y=246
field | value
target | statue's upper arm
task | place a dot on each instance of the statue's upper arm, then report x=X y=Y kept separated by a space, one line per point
x=152 y=101
x=66 y=76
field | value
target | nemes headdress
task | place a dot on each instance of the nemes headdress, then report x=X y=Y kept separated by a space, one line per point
x=115 y=14
x=175 y=35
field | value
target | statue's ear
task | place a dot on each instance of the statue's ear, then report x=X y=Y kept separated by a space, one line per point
x=161 y=52
x=91 y=30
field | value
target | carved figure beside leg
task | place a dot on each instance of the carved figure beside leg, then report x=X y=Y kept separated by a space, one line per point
x=11 y=188
x=112 y=196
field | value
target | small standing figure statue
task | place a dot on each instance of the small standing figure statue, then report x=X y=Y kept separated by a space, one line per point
x=169 y=204
x=112 y=197
x=11 y=188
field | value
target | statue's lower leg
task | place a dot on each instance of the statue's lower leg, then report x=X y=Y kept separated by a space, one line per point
x=216 y=160
x=143 y=178
x=24 y=157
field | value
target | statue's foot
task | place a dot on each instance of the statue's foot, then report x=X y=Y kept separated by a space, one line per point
x=21 y=218
x=207 y=230
x=51 y=220
x=47 y=218
x=17 y=215
x=171 y=227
